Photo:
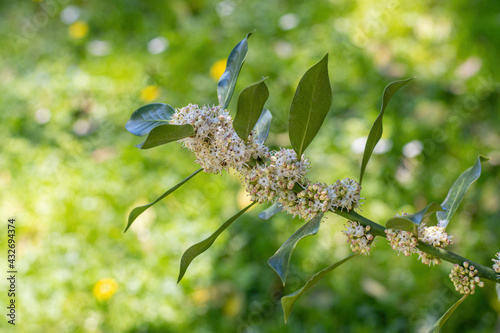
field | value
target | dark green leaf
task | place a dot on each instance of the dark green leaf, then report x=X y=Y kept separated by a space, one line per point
x=139 y=210
x=310 y=106
x=227 y=81
x=437 y=326
x=263 y=125
x=202 y=246
x=280 y=260
x=412 y=221
x=166 y=133
x=288 y=301
x=144 y=119
x=250 y=104
x=457 y=192
x=271 y=211
x=377 y=128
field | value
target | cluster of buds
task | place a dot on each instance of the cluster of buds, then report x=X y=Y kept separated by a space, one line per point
x=312 y=201
x=496 y=265
x=359 y=237
x=216 y=144
x=345 y=194
x=464 y=278
x=434 y=236
x=402 y=241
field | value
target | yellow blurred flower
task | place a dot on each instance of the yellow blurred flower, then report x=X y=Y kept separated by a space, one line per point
x=78 y=29
x=150 y=93
x=104 y=289
x=218 y=69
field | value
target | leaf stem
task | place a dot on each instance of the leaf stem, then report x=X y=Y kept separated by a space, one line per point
x=378 y=230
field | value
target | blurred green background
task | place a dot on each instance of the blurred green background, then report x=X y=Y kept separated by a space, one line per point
x=71 y=74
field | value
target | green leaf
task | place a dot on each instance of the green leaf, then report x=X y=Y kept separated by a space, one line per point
x=288 y=301
x=166 y=133
x=202 y=246
x=227 y=81
x=437 y=326
x=310 y=106
x=250 y=104
x=497 y=286
x=377 y=128
x=271 y=211
x=281 y=259
x=412 y=221
x=139 y=210
x=263 y=125
x=144 y=119
x=457 y=192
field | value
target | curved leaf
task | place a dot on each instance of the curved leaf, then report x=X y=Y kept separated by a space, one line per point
x=497 y=288
x=134 y=214
x=288 y=301
x=263 y=125
x=163 y=134
x=202 y=246
x=412 y=221
x=144 y=119
x=271 y=211
x=437 y=326
x=310 y=106
x=227 y=81
x=377 y=128
x=280 y=260
x=457 y=192
x=250 y=104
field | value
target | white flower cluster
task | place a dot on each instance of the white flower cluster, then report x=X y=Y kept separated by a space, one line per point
x=434 y=236
x=496 y=265
x=274 y=177
x=359 y=237
x=216 y=144
x=464 y=278
x=401 y=241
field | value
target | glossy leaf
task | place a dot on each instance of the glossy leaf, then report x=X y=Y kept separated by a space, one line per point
x=263 y=125
x=227 y=81
x=281 y=259
x=144 y=119
x=377 y=128
x=412 y=221
x=202 y=246
x=271 y=211
x=437 y=326
x=134 y=214
x=457 y=192
x=250 y=105
x=166 y=133
x=288 y=301
x=310 y=106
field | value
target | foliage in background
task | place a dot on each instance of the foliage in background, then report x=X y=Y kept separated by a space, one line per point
x=68 y=166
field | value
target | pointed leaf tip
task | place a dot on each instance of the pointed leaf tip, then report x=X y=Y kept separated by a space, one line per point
x=281 y=259
x=377 y=128
x=198 y=248
x=310 y=105
x=250 y=105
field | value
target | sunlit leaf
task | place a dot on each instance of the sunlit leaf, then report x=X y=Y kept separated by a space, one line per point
x=288 y=301
x=263 y=125
x=166 y=133
x=144 y=119
x=202 y=246
x=271 y=211
x=250 y=104
x=139 y=210
x=227 y=81
x=412 y=221
x=281 y=259
x=310 y=106
x=457 y=192
x=377 y=128
x=497 y=287
x=437 y=326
